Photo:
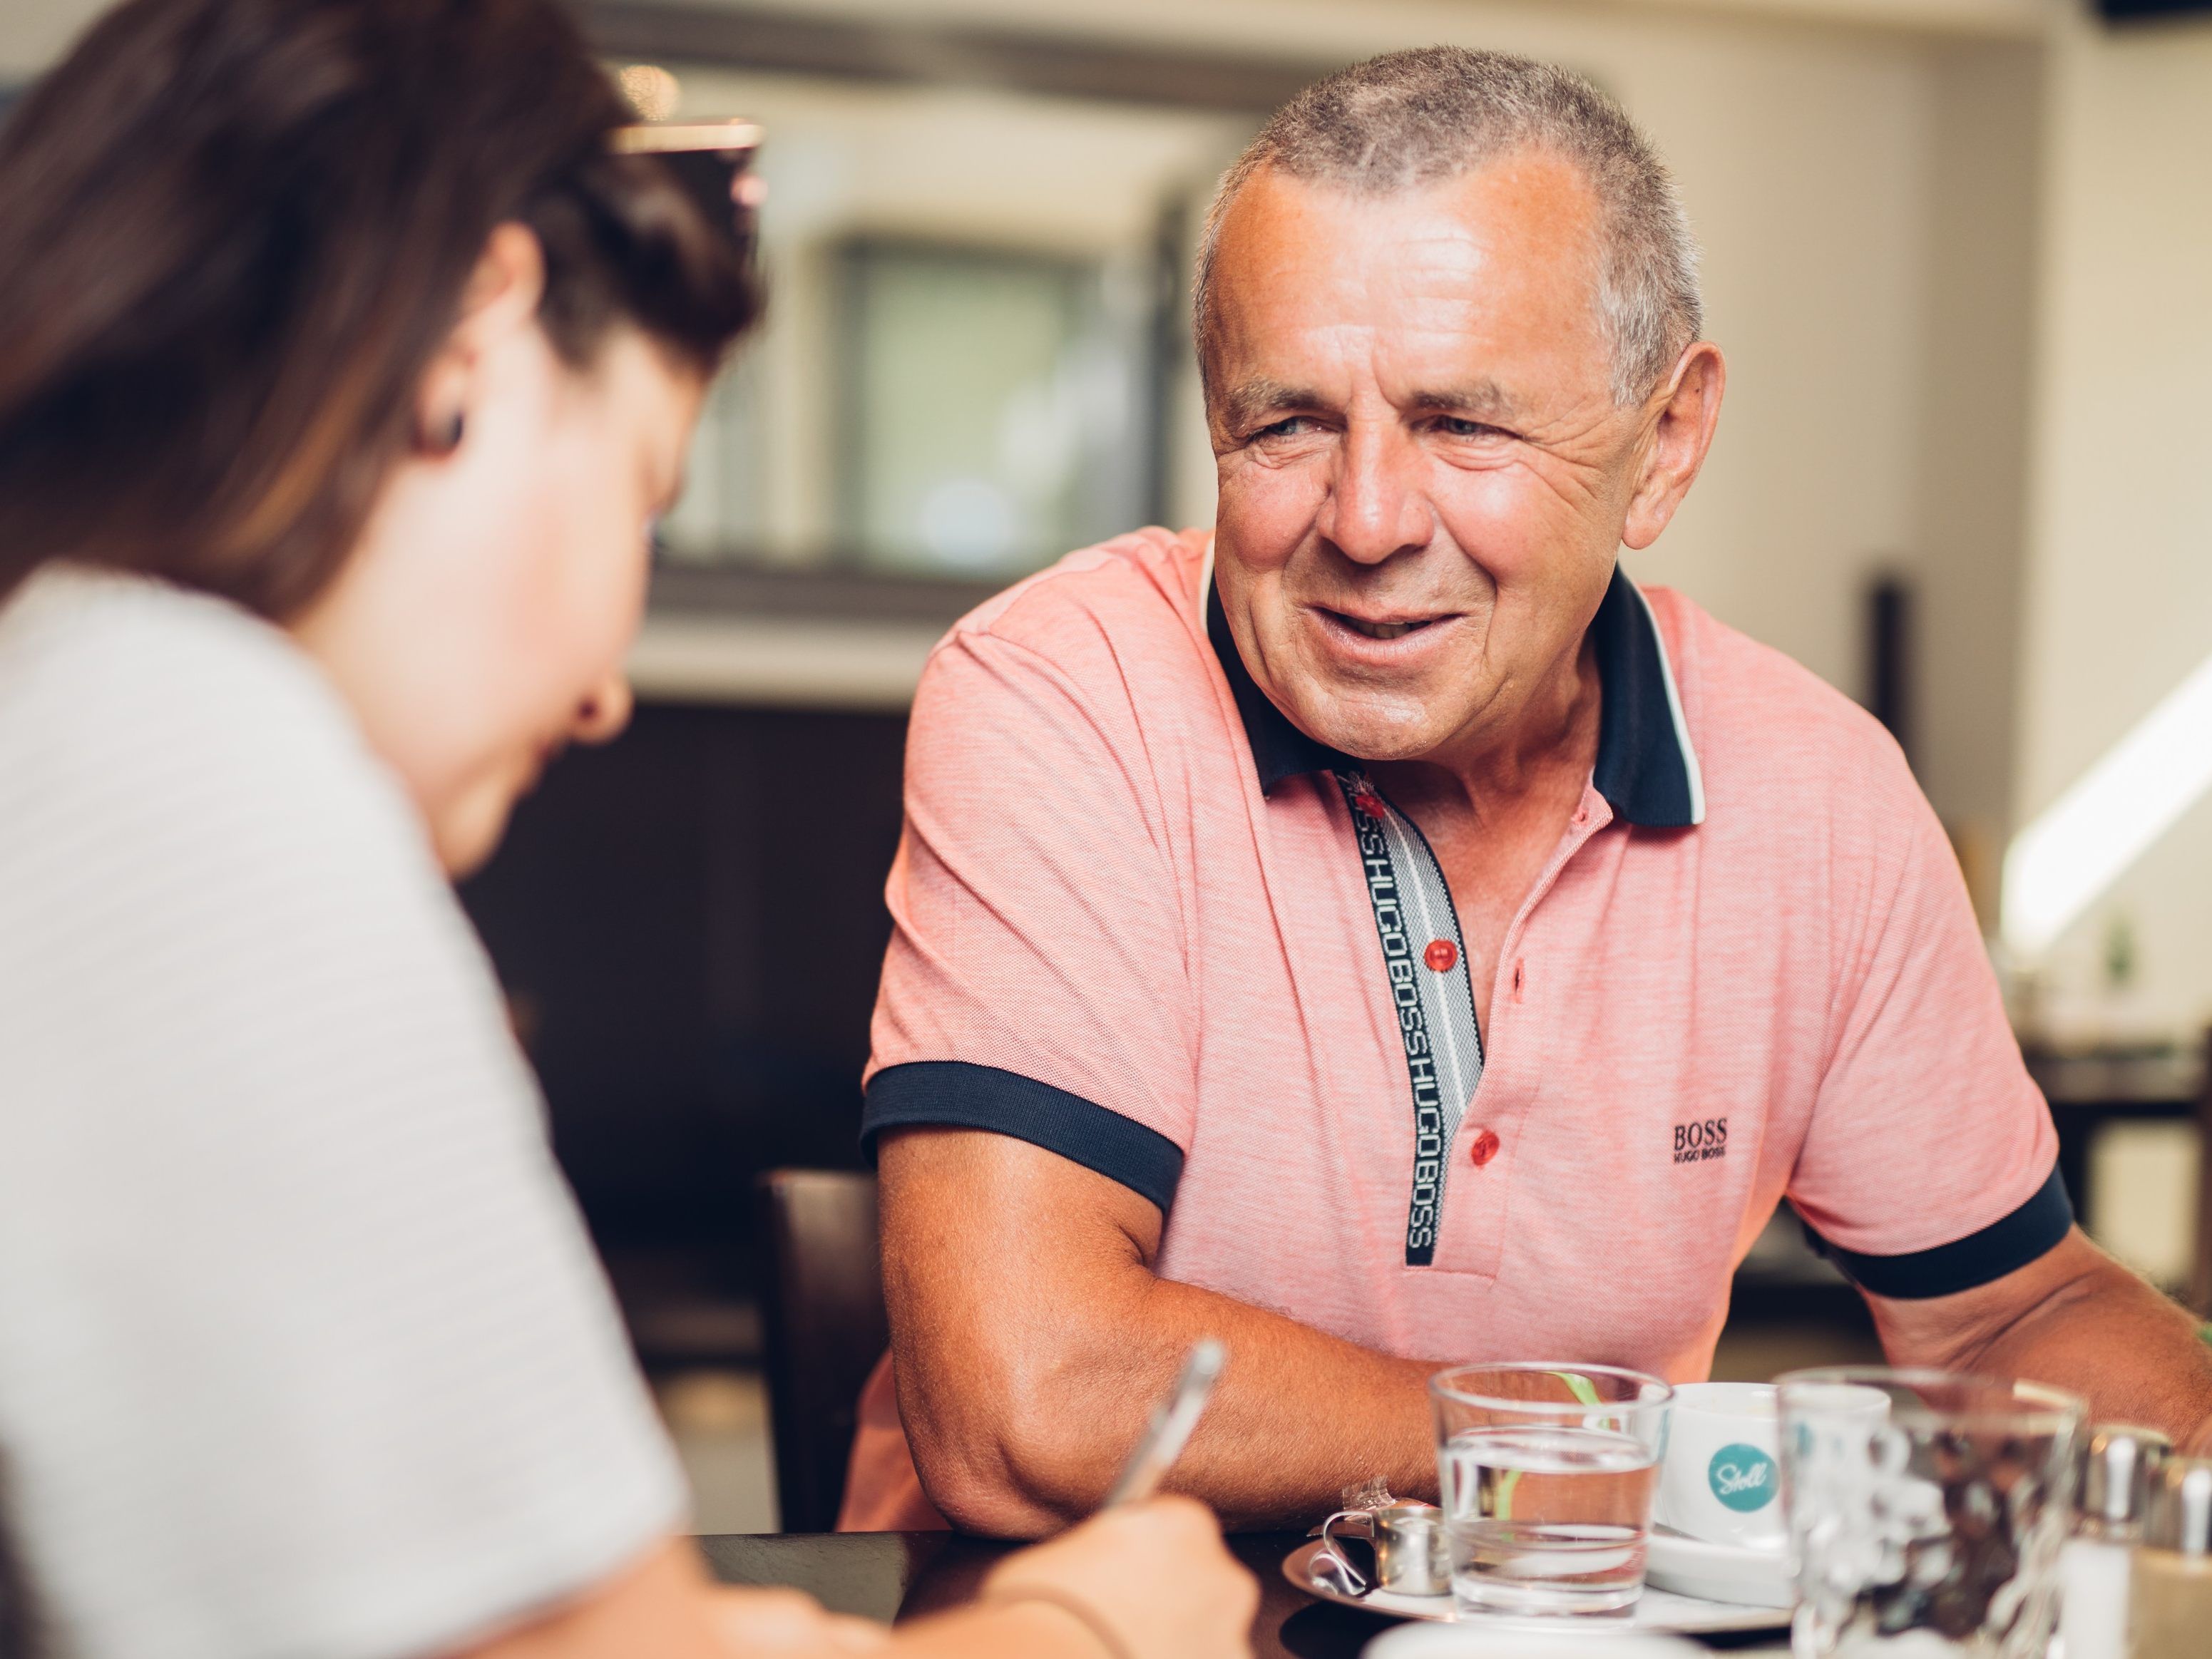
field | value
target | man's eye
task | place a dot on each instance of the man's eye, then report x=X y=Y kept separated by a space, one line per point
x=1290 y=427
x=1453 y=426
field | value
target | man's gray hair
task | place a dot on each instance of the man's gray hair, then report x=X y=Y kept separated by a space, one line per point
x=1410 y=119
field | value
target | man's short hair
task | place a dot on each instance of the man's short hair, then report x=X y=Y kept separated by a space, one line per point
x=1409 y=119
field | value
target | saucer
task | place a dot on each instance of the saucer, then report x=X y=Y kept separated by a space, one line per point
x=1469 y=1641
x=1657 y=1611
x=1745 y=1575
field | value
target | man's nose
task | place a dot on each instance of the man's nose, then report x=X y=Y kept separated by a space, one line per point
x=1377 y=506
x=604 y=712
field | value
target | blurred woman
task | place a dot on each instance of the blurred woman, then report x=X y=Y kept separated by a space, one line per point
x=346 y=367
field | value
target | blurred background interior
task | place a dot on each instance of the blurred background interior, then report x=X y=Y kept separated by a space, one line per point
x=1960 y=254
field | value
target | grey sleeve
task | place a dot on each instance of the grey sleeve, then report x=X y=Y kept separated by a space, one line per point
x=303 y=1349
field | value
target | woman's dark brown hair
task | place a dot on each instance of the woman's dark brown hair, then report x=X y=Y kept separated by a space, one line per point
x=238 y=231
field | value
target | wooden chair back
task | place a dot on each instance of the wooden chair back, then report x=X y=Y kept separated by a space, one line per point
x=825 y=1328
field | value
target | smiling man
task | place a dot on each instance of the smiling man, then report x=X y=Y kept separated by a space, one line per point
x=1379 y=934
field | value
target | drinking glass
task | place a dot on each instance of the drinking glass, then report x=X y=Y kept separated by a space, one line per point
x=1925 y=1510
x=1548 y=1473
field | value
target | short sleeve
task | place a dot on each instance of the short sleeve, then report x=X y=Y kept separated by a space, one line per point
x=304 y=1352
x=1928 y=1167
x=1037 y=982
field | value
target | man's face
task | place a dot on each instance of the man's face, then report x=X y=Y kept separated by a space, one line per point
x=1424 y=475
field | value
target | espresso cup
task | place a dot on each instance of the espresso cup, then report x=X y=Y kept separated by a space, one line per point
x=1721 y=1480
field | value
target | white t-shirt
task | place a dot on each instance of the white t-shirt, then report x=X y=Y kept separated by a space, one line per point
x=303 y=1349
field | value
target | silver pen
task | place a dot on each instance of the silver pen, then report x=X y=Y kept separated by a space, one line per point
x=1173 y=1419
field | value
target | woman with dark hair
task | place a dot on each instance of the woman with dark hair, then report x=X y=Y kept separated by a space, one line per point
x=349 y=354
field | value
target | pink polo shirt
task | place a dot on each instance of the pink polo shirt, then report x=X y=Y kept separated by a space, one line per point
x=1142 y=922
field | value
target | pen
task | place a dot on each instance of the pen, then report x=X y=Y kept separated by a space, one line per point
x=1173 y=1419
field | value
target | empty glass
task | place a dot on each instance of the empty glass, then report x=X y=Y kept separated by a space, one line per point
x=1547 y=1473
x=1926 y=1506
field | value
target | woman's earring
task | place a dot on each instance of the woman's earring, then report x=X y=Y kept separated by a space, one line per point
x=445 y=440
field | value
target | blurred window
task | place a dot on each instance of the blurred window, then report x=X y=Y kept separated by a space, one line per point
x=990 y=419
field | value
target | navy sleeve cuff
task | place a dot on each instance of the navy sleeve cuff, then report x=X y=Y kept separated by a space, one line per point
x=953 y=1094
x=2003 y=1246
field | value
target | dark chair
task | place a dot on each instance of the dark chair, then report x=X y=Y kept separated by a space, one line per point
x=825 y=1328
x=19 y=1637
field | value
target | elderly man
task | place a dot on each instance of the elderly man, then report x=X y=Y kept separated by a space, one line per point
x=1380 y=933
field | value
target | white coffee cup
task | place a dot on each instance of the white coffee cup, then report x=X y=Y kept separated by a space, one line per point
x=1721 y=1479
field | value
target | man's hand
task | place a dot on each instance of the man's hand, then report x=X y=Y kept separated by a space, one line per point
x=2077 y=1319
x=1033 y=1337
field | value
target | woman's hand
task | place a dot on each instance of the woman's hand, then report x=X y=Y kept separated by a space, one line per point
x=774 y=1621
x=1153 y=1578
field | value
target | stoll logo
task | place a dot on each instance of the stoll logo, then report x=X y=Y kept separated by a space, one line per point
x=1742 y=1477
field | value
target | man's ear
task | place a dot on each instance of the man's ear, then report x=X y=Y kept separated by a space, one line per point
x=1688 y=411
x=501 y=298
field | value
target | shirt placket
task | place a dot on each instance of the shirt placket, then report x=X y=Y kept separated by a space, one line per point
x=1486 y=1155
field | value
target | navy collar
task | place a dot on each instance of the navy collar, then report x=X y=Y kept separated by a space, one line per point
x=1646 y=768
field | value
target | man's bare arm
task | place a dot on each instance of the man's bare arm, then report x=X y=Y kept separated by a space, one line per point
x=2074 y=1318
x=1032 y=1338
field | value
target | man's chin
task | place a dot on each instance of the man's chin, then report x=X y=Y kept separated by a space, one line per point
x=1374 y=734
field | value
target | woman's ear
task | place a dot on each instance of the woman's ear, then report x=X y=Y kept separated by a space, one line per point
x=501 y=298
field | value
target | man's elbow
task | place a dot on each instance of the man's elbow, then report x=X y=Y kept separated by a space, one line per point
x=1008 y=1464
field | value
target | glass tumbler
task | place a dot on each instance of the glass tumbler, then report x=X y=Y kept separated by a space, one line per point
x=1547 y=1473
x=1926 y=1510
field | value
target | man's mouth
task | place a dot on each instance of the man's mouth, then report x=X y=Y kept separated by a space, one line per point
x=1381 y=630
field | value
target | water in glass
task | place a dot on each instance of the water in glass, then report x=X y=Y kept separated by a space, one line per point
x=1547 y=1518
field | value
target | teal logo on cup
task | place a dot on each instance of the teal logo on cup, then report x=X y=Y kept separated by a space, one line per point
x=1742 y=1477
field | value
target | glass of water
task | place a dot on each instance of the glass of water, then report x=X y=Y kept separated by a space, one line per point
x=1926 y=1510
x=1548 y=1473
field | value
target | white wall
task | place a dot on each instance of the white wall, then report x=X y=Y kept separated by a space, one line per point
x=1976 y=374
x=33 y=32
x=2118 y=600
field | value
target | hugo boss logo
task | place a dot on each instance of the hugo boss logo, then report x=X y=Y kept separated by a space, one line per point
x=1695 y=1142
x=1742 y=1477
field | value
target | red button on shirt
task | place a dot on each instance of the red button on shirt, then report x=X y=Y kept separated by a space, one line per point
x=1442 y=955
x=1482 y=1148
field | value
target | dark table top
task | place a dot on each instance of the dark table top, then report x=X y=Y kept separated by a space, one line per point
x=895 y=1575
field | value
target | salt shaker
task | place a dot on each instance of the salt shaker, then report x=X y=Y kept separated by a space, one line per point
x=2170 y=1601
x=2117 y=1465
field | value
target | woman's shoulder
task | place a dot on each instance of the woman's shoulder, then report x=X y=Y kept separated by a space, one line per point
x=119 y=684
x=152 y=739
x=84 y=651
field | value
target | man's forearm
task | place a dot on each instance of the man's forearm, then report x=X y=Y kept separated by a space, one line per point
x=2131 y=1353
x=2078 y=1321
x=1031 y=1355
x=1297 y=1417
